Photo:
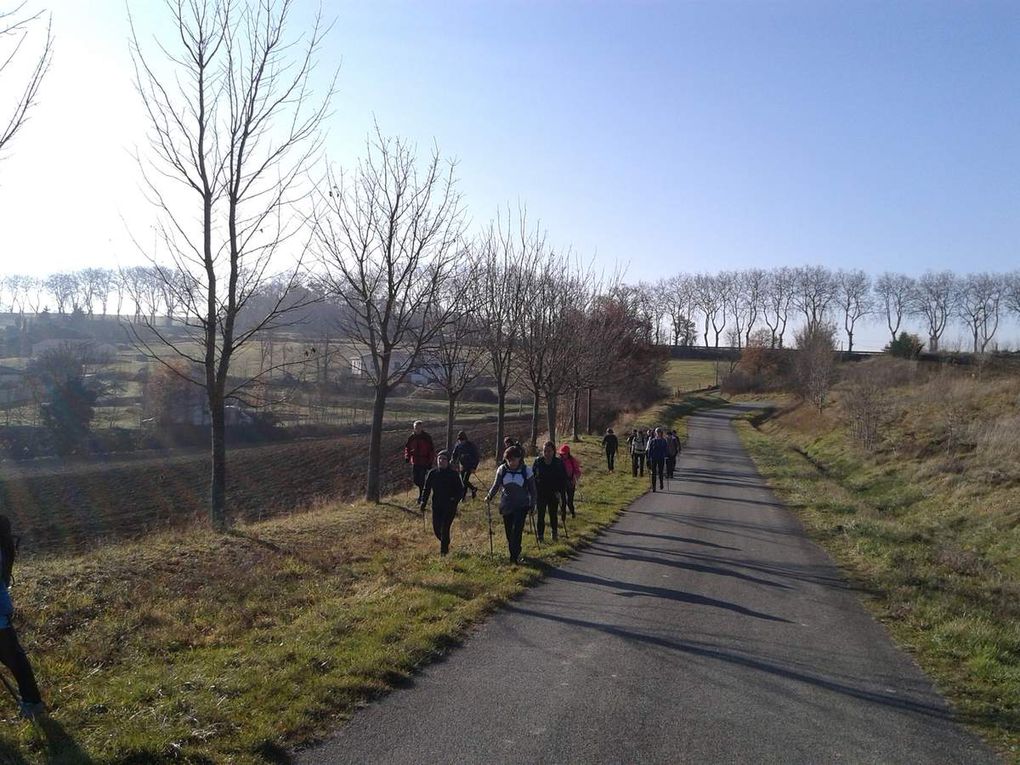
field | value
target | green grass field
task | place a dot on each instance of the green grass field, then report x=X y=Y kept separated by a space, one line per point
x=685 y=376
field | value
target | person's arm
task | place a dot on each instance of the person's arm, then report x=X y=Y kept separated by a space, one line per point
x=428 y=489
x=532 y=490
x=407 y=449
x=495 y=484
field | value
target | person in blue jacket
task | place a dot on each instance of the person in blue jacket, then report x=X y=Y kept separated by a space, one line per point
x=11 y=653
x=656 y=452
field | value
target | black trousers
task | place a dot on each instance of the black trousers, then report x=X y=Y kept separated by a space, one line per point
x=569 y=502
x=465 y=475
x=637 y=463
x=657 y=468
x=418 y=474
x=14 y=658
x=442 y=520
x=549 y=503
x=513 y=524
x=670 y=466
x=611 y=461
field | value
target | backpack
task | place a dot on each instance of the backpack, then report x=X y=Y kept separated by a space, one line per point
x=513 y=497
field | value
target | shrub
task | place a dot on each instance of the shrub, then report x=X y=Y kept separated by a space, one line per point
x=67 y=396
x=905 y=346
x=815 y=362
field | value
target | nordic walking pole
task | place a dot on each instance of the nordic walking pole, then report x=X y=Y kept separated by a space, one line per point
x=488 y=512
x=531 y=515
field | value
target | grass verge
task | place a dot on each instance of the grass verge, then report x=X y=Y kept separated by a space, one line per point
x=939 y=567
x=204 y=648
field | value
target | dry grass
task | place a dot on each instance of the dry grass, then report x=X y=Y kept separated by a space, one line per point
x=200 y=647
x=929 y=521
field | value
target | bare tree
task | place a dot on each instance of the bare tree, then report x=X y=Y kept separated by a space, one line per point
x=679 y=297
x=388 y=240
x=814 y=291
x=1011 y=292
x=937 y=297
x=508 y=251
x=17 y=30
x=775 y=303
x=815 y=362
x=980 y=307
x=456 y=358
x=738 y=306
x=753 y=284
x=853 y=293
x=233 y=129
x=897 y=294
x=710 y=299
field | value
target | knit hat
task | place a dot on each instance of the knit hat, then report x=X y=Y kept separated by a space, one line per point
x=443 y=453
x=564 y=449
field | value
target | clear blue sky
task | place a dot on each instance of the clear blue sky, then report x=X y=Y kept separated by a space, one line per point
x=664 y=135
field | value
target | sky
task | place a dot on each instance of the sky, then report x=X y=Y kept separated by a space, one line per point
x=649 y=135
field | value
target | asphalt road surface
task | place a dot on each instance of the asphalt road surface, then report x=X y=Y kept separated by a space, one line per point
x=703 y=627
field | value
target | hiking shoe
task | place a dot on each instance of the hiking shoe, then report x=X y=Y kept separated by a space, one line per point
x=31 y=710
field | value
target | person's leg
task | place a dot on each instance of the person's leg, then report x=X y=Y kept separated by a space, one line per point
x=508 y=527
x=570 y=502
x=448 y=515
x=670 y=466
x=609 y=461
x=554 y=502
x=612 y=462
x=662 y=472
x=437 y=521
x=543 y=503
x=641 y=464
x=519 y=518
x=468 y=485
x=633 y=464
x=14 y=658
x=418 y=473
x=651 y=472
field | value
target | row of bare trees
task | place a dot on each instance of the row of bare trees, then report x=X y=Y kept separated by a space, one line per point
x=728 y=306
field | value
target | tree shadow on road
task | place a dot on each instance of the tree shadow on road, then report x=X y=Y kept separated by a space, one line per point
x=626 y=552
x=669 y=537
x=633 y=590
x=709 y=651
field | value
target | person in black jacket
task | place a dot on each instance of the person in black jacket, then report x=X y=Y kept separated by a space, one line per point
x=610 y=443
x=11 y=652
x=550 y=485
x=446 y=488
x=465 y=454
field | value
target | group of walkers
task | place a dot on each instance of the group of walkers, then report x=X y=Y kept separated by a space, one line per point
x=660 y=448
x=547 y=487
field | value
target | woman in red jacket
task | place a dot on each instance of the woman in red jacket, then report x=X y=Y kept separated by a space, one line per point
x=573 y=468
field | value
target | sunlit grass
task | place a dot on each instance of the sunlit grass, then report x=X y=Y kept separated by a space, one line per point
x=201 y=647
x=939 y=559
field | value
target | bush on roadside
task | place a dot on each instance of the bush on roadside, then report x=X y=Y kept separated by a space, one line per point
x=905 y=346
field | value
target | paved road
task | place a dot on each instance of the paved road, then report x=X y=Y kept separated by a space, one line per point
x=703 y=627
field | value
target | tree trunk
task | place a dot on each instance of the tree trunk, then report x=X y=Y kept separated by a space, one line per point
x=534 y=422
x=372 y=490
x=587 y=414
x=574 y=417
x=451 y=406
x=218 y=486
x=933 y=343
x=500 y=417
x=550 y=409
x=849 y=342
